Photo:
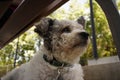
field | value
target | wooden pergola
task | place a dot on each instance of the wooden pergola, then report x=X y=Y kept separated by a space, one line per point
x=17 y=16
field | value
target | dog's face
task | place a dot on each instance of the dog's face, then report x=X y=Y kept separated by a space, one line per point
x=65 y=40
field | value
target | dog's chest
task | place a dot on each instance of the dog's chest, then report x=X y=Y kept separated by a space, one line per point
x=58 y=74
x=43 y=71
x=49 y=74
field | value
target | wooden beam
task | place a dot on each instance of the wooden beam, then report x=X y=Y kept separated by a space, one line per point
x=113 y=18
x=4 y=5
x=24 y=15
x=109 y=71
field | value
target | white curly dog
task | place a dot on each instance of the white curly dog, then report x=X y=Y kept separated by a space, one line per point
x=58 y=58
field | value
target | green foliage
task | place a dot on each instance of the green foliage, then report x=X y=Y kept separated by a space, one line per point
x=118 y=4
x=71 y=10
x=104 y=39
x=5 y=69
x=2 y=71
x=25 y=49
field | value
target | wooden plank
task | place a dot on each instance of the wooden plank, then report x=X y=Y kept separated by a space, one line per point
x=113 y=18
x=4 y=6
x=109 y=71
x=49 y=9
x=26 y=13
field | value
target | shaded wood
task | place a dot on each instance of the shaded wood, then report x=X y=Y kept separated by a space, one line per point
x=24 y=15
x=109 y=71
x=4 y=6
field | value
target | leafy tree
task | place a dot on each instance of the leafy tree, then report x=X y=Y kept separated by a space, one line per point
x=105 y=43
x=25 y=49
x=118 y=4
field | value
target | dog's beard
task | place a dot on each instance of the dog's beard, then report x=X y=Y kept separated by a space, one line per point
x=82 y=43
x=70 y=53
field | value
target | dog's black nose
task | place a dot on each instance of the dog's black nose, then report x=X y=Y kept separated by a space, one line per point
x=84 y=35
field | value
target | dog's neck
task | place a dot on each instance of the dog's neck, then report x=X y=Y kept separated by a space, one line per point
x=55 y=62
x=51 y=59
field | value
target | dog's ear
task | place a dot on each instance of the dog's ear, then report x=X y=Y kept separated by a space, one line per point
x=43 y=27
x=81 y=21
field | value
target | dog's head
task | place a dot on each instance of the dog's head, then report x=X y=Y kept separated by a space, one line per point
x=65 y=39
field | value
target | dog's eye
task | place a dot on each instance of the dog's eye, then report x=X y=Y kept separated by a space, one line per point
x=66 y=30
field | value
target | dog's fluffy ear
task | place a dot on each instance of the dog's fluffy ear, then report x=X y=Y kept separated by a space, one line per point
x=43 y=27
x=81 y=21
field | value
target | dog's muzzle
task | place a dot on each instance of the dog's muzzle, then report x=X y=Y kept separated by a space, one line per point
x=84 y=36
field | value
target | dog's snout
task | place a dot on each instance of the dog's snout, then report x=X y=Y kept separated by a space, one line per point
x=84 y=35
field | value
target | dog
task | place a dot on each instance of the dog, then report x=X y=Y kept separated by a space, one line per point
x=58 y=58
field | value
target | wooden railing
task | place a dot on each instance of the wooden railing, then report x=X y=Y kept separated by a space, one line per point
x=109 y=71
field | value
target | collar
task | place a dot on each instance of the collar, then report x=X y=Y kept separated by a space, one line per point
x=55 y=62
